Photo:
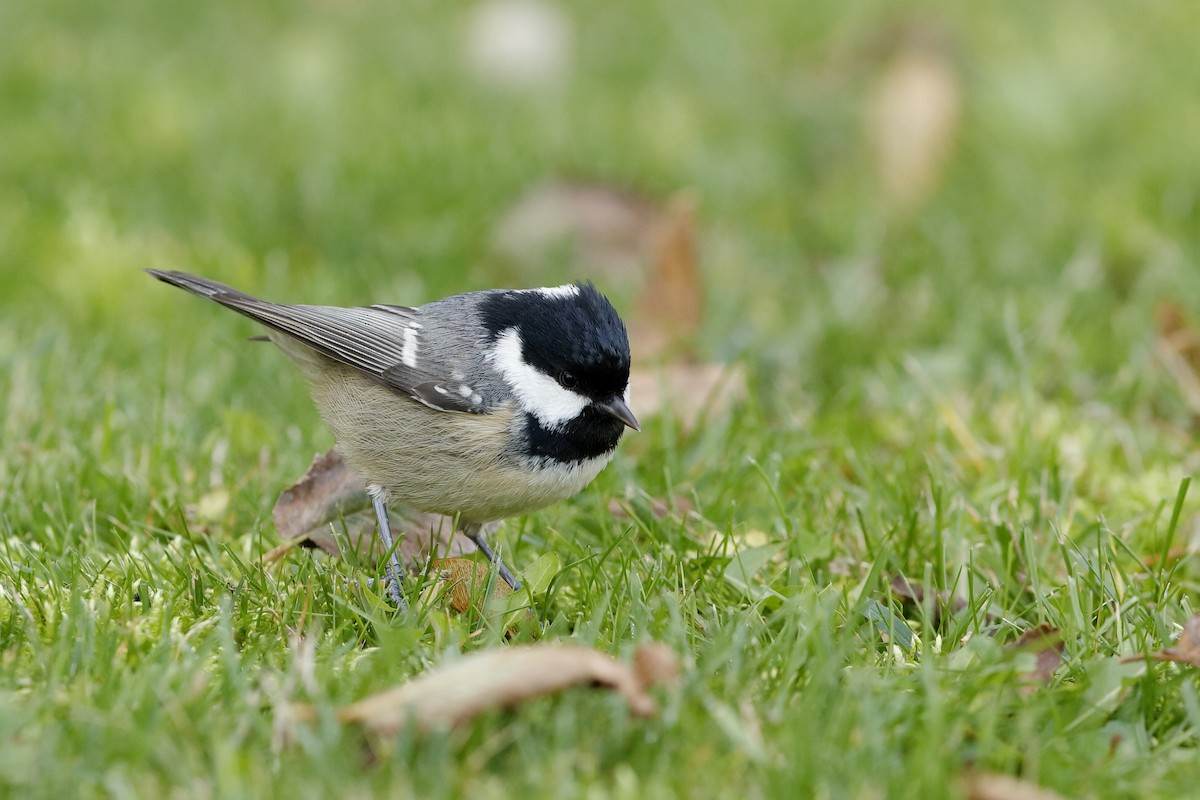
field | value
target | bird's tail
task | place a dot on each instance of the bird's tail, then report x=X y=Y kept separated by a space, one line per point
x=218 y=292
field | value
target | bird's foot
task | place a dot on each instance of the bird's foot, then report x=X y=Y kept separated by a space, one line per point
x=392 y=565
x=475 y=535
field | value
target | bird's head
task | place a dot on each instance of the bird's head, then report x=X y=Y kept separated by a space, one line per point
x=564 y=353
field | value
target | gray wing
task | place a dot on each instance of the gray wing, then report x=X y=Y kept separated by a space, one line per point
x=384 y=342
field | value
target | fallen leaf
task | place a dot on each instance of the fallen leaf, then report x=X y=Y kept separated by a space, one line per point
x=1170 y=558
x=629 y=238
x=328 y=490
x=1046 y=643
x=608 y=229
x=660 y=507
x=663 y=331
x=330 y=493
x=457 y=692
x=279 y=551
x=1186 y=649
x=466 y=583
x=1178 y=349
x=914 y=116
x=915 y=594
x=690 y=392
x=994 y=786
x=1176 y=330
x=671 y=307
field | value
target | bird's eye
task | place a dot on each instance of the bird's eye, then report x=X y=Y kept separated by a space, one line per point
x=568 y=380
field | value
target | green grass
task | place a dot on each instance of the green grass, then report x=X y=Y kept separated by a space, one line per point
x=968 y=397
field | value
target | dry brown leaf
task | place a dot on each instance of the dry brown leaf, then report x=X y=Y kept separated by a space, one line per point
x=994 y=786
x=327 y=490
x=662 y=333
x=914 y=118
x=691 y=392
x=465 y=582
x=330 y=492
x=1175 y=328
x=1179 y=350
x=1168 y=559
x=915 y=594
x=459 y=691
x=1046 y=642
x=660 y=507
x=1186 y=649
x=609 y=229
x=629 y=237
x=671 y=308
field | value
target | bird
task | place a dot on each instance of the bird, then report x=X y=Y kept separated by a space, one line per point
x=480 y=406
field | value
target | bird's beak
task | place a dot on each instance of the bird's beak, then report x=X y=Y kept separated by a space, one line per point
x=617 y=408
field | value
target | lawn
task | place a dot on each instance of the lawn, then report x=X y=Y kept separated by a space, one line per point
x=967 y=415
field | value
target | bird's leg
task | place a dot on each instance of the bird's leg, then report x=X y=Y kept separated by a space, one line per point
x=475 y=534
x=392 y=566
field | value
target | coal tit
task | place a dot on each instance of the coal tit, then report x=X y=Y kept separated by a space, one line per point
x=481 y=405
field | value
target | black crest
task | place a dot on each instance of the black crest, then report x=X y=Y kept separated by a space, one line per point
x=578 y=339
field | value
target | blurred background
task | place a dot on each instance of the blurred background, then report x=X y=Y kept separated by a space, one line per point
x=985 y=190
x=942 y=257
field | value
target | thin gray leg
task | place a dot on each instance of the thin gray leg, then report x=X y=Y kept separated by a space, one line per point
x=473 y=532
x=392 y=567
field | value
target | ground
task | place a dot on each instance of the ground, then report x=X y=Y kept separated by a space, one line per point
x=968 y=378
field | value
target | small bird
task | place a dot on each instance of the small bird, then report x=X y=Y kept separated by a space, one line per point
x=480 y=406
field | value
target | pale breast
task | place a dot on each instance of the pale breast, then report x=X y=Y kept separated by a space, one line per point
x=445 y=462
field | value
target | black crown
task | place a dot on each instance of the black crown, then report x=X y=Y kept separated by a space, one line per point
x=578 y=335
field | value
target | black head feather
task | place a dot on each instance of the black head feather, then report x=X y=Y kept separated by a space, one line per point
x=576 y=338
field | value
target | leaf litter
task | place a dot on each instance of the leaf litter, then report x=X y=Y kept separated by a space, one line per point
x=915 y=595
x=455 y=693
x=601 y=227
x=621 y=232
x=1185 y=651
x=914 y=117
x=668 y=374
x=659 y=507
x=632 y=239
x=1178 y=350
x=1046 y=644
x=330 y=496
x=995 y=786
x=467 y=584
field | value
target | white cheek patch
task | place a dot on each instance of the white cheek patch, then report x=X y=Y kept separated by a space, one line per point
x=537 y=392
